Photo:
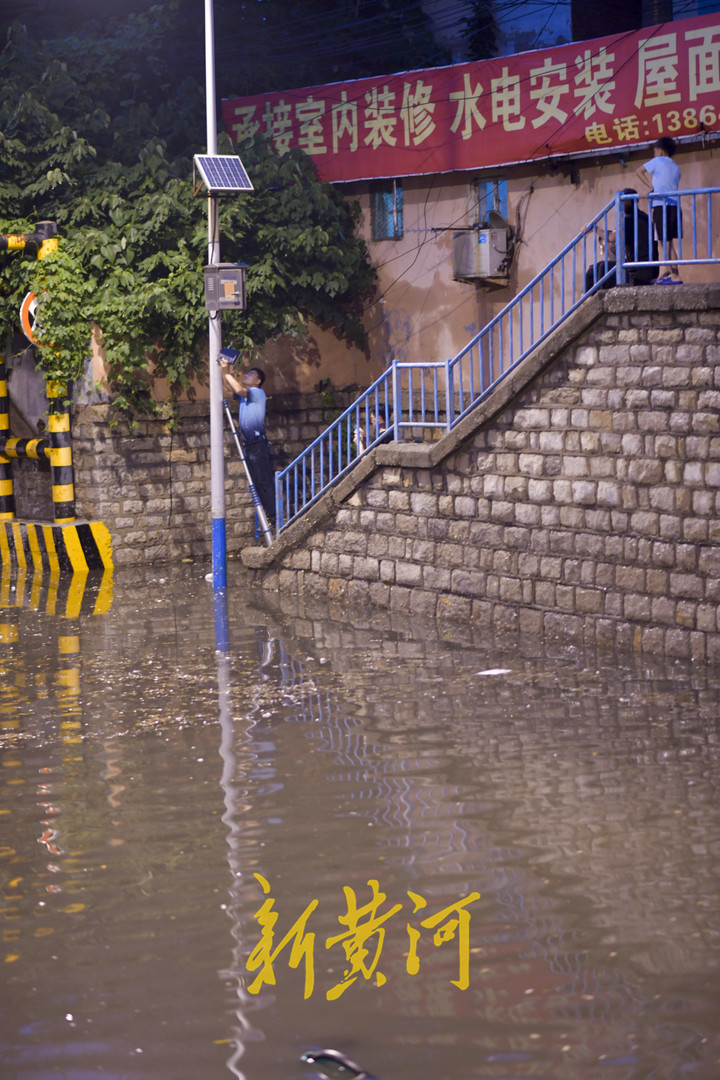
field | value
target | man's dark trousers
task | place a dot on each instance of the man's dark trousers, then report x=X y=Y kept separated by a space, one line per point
x=257 y=455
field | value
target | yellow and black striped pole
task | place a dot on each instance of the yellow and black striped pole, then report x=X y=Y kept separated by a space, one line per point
x=36 y=448
x=7 y=497
x=61 y=466
x=40 y=243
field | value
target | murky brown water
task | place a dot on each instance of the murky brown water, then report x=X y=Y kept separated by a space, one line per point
x=386 y=766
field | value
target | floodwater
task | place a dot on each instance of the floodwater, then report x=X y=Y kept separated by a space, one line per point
x=450 y=857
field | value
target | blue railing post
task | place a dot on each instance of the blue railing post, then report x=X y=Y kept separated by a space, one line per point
x=620 y=249
x=396 y=399
x=449 y=395
x=278 y=505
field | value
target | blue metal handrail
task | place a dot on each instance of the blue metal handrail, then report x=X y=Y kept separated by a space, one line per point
x=353 y=434
x=410 y=398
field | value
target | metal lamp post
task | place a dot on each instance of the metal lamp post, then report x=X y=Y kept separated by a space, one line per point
x=224 y=290
x=217 y=456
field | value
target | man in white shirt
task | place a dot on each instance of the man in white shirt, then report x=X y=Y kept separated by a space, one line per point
x=662 y=175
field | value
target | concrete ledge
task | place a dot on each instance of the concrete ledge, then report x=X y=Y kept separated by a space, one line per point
x=662 y=298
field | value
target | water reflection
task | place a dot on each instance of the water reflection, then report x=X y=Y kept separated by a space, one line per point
x=149 y=783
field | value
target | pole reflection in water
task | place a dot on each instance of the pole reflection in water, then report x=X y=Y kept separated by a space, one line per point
x=238 y=758
x=232 y=797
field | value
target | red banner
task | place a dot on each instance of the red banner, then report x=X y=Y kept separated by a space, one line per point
x=609 y=92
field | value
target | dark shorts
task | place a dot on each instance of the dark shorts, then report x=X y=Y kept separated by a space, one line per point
x=667 y=221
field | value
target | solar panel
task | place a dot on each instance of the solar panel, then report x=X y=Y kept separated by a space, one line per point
x=222 y=173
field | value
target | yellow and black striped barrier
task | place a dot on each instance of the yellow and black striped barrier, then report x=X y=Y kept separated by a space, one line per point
x=36 y=448
x=57 y=448
x=78 y=546
x=66 y=544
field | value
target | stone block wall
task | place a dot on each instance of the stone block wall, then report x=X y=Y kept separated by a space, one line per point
x=584 y=496
x=151 y=486
x=32 y=490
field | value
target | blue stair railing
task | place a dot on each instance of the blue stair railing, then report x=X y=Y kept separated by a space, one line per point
x=421 y=400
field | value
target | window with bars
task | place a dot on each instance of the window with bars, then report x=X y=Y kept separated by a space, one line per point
x=386 y=202
x=491 y=195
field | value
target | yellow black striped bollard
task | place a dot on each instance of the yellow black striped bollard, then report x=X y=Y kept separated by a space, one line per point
x=61 y=466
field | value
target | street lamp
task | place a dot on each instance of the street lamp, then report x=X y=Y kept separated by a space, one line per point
x=220 y=174
x=217 y=456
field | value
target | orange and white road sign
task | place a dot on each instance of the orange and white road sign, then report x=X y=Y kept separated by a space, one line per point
x=27 y=317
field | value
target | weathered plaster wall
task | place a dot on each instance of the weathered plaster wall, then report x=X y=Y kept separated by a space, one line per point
x=423 y=314
x=420 y=312
x=584 y=496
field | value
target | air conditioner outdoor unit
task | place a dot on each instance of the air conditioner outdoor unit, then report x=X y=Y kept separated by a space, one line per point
x=480 y=253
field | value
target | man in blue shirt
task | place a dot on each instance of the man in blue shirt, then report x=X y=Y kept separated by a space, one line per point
x=251 y=421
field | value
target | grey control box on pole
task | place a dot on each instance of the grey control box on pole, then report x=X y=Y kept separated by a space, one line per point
x=225 y=287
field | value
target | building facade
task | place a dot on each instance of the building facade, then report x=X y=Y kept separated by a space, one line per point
x=472 y=177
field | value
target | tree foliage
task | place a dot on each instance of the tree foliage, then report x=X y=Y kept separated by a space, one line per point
x=97 y=133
